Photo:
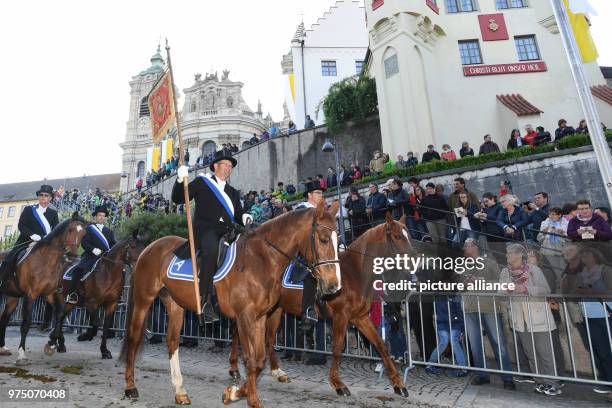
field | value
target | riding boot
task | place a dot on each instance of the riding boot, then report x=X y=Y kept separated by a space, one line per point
x=72 y=297
x=208 y=313
x=309 y=313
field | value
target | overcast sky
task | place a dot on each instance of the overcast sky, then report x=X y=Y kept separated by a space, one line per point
x=66 y=66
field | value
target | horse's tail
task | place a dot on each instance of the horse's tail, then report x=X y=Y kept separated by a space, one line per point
x=130 y=339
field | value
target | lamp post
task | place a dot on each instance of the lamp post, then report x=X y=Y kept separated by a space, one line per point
x=329 y=147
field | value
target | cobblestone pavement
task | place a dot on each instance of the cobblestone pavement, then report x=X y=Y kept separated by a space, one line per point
x=99 y=383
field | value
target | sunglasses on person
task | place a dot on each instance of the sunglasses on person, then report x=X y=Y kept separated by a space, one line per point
x=44 y=195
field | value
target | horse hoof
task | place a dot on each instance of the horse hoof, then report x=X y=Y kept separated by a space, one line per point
x=85 y=337
x=61 y=348
x=280 y=375
x=23 y=362
x=343 y=392
x=49 y=349
x=4 y=351
x=230 y=394
x=132 y=394
x=106 y=355
x=182 y=399
x=234 y=374
x=401 y=391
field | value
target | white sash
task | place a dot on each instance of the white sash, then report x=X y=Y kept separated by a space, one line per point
x=222 y=193
x=41 y=217
x=100 y=235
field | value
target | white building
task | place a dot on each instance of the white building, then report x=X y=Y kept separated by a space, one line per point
x=213 y=113
x=333 y=49
x=449 y=71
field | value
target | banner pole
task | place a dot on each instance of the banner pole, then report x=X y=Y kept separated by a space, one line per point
x=194 y=268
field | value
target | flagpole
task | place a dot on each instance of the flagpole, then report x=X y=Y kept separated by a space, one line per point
x=194 y=264
x=598 y=139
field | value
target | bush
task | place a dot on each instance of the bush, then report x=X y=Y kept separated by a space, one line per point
x=152 y=226
x=352 y=99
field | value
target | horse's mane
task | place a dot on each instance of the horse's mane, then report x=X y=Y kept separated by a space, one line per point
x=55 y=232
x=283 y=221
x=118 y=245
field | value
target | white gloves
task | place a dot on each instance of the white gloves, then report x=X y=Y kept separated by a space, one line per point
x=181 y=173
x=35 y=237
x=97 y=251
x=247 y=219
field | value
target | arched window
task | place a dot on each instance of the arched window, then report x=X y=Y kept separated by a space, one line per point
x=208 y=148
x=193 y=106
x=230 y=102
x=144 y=107
x=140 y=169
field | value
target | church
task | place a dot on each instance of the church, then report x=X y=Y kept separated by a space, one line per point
x=213 y=113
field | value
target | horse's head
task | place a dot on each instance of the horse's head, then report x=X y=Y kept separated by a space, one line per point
x=322 y=251
x=134 y=246
x=396 y=236
x=73 y=234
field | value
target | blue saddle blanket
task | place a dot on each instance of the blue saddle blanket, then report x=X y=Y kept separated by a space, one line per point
x=181 y=268
x=68 y=273
x=288 y=282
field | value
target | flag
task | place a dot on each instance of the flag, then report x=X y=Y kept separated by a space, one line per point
x=168 y=149
x=581 y=27
x=155 y=162
x=161 y=107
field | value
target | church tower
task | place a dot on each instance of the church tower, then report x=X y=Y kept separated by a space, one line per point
x=138 y=129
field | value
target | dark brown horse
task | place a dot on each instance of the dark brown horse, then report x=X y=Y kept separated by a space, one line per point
x=352 y=305
x=103 y=289
x=39 y=274
x=247 y=294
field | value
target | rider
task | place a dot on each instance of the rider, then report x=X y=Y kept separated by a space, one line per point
x=98 y=240
x=35 y=222
x=217 y=209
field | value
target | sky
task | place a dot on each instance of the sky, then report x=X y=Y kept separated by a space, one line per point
x=66 y=67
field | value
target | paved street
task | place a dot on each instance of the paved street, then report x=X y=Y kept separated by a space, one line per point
x=99 y=383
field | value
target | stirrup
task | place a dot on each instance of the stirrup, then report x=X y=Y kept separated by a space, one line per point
x=208 y=313
x=72 y=298
x=311 y=314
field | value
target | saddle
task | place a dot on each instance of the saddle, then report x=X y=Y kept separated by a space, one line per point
x=75 y=263
x=182 y=251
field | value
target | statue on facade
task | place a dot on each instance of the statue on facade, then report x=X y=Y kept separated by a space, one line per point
x=198 y=77
x=225 y=76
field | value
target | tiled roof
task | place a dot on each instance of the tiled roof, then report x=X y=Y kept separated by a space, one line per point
x=27 y=190
x=603 y=92
x=519 y=105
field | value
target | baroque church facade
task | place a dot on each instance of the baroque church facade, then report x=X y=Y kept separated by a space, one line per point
x=213 y=113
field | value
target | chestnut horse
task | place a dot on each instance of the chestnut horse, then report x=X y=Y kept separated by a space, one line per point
x=39 y=274
x=249 y=291
x=352 y=305
x=104 y=288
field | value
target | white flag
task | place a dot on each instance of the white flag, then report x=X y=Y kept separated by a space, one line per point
x=582 y=6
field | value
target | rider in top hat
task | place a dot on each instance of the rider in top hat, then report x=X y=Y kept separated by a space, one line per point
x=35 y=222
x=97 y=241
x=217 y=210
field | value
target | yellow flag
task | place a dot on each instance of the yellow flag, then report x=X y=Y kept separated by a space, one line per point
x=155 y=160
x=582 y=33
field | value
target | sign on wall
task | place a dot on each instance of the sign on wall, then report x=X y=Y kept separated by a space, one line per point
x=493 y=27
x=500 y=69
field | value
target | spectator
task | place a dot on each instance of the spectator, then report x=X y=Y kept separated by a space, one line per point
x=266 y=212
x=421 y=225
x=482 y=315
x=466 y=150
x=512 y=218
x=531 y=319
x=530 y=135
x=604 y=212
x=440 y=192
x=292 y=128
x=401 y=163
x=377 y=163
x=254 y=140
x=322 y=181
x=235 y=149
x=447 y=153
x=543 y=136
x=411 y=160
x=344 y=176
x=355 y=173
x=563 y=130
x=552 y=231
x=186 y=158
x=366 y=171
x=464 y=218
x=309 y=123
x=331 y=178
x=569 y=211
x=516 y=140
x=582 y=128
x=539 y=211
x=149 y=180
x=459 y=184
x=376 y=204
x=488 y=146
x=139 y=184
x=356 y=206
x=264 y=136
x=588 y=226
x=494 y=234
x=430 y=155
x=397 y=200
x=273 y=131
x=449 y=327
x=434 y=211
x=388 y=164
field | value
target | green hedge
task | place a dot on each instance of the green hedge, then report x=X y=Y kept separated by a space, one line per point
x=352 y=99
x=152 y=226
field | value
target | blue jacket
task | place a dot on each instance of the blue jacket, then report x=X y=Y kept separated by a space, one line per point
x=518 y=220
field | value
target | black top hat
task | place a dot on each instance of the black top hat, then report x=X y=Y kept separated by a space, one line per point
x=100 y=209
x=45 y=188
x=312 y=186
x=222 y=155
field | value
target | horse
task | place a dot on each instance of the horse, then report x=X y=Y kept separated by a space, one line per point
x=247 y=293
x=351 y=305
x=104 y=288
x=39 y=274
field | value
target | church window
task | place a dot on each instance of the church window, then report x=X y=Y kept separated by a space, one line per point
x=208 y=148
x=11 y=212
x=140 y=169
x=144 y=107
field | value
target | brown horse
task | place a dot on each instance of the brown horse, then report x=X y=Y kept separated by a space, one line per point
x=39 y=274
x=104 y=288
x=352 y=305
x=247 y=294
